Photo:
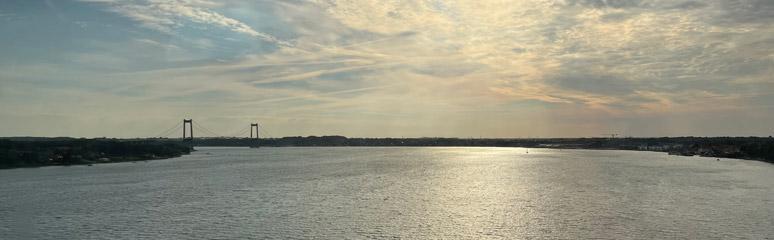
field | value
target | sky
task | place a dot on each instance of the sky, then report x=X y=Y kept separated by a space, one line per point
x=388 y=68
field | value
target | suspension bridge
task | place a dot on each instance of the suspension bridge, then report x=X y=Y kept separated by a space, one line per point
x=187 y=126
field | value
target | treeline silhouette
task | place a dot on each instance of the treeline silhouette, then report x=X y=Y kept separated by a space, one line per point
x=83 y=151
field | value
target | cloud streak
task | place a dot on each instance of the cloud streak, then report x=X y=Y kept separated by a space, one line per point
x=167 y=15
x=581 y=65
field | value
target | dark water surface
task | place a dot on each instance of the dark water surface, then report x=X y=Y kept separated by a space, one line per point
x=237 y=193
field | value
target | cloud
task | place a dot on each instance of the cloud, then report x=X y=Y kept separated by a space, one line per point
x=610 y=3
x=167 y=15
x=687 y=5
x=154 y=43
x=592 y=83
x=746 y=11
x=400 y=64
x=617 y=16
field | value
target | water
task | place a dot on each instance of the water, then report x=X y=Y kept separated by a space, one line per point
x=335 y=193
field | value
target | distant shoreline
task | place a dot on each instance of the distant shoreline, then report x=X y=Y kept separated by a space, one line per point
x=30 y=154
x=748 y=148
x=18 y=152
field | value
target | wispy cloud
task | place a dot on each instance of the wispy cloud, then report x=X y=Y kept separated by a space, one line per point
x=580 y=65
x=167 y=15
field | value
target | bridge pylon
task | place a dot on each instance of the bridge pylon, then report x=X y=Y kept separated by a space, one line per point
x=255 y=143
x=254 y=125
x=190 y=127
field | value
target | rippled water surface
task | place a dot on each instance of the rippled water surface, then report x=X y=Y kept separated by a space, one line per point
x=237 y=193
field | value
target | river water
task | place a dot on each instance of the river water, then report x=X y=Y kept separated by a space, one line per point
x=338 y=193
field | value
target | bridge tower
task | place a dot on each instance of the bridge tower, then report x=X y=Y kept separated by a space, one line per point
x=254 y=140
x=190 y=127
x=256 y=130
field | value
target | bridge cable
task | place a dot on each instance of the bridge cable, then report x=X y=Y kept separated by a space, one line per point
x=264 y=131
x=205 y=130
x=209 y=134
x=170 y=130
x=169 y=134
x=265 y=134
x=240 y=132
x=202 y=129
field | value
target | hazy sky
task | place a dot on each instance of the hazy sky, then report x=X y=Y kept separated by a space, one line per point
x=388 y=68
